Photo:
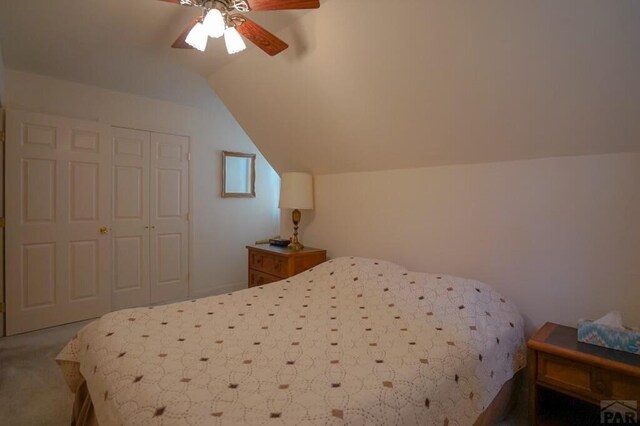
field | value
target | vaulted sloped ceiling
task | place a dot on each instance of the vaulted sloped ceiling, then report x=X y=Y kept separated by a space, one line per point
x=123 y=45
x=371 y=84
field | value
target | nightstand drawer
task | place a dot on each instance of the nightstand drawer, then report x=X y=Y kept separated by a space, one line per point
x=271 y=264
x=625 y=387
x=591 y=382
x=257 y=278
x=566 y=374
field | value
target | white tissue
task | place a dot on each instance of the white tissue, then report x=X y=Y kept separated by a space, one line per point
x=612 y=319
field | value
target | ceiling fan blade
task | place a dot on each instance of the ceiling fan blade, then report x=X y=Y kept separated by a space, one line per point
x=172 y=1
x=261 y=37
x=257 y=5
x=181 y=42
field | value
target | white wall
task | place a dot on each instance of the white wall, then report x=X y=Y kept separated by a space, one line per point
x=559 y=236
x=221 y=227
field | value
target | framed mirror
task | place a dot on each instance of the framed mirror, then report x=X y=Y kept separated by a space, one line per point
x=238 y=175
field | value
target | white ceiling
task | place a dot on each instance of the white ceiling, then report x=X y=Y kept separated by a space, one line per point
x=117 y=44
x=442 y=82
x=435 y=82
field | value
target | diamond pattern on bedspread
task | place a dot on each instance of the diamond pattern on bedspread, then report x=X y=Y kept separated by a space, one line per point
x=352 y=341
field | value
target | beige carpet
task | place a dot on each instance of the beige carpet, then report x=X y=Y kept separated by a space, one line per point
x=33 y=392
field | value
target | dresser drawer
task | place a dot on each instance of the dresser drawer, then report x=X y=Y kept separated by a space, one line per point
x=268 y=263
x=588 y=381
x=257 y=278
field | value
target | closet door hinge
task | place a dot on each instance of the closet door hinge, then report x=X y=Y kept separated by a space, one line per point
x=189 y=156
x=2 y=137
x=1 y=307
x=3 y=222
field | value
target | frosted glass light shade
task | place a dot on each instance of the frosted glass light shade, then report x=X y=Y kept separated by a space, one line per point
x=234 y=41
x=214 y=23
x=197 y=37
x=296 y=191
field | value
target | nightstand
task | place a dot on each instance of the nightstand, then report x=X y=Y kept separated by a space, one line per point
x=268 y=263
x=568 y=379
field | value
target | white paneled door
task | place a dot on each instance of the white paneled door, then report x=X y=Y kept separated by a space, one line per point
x=150 y=217
x=57 y=220
x=169 y=209
x=130 y=218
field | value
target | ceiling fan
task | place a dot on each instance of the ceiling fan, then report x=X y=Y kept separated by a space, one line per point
x=223 y=17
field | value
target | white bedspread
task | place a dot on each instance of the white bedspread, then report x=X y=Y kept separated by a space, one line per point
x=352 y=341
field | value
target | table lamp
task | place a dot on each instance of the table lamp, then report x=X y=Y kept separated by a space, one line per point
x=296 y=192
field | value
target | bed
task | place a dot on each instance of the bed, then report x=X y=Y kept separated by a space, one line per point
x=352 y=341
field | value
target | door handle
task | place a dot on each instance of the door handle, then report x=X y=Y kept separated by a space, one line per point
x=104 y=230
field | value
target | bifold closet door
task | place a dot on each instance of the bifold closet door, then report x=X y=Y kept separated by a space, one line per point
x=57 y=220
x=169 y=210
x=130 y=218
x=150 y=218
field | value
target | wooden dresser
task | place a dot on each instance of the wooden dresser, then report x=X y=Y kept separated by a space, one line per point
x=578 y=374
x=268 y=264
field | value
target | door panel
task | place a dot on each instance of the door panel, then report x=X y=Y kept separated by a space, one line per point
x=38 y=275
x=129 y=263
x=84 y=191
x=56 y=258
x=40 y=135
x=83 y=267
x=128 y=197
x=85 y=141
x=169 y=208
x=130 y=143
x=169 y=193
x=169 y=265
x=130 y=218
x=39 y=192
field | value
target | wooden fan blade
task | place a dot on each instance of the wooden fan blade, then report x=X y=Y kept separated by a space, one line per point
x=181 y=42
x=261 y=37
x=172 y=1
x=257 y=5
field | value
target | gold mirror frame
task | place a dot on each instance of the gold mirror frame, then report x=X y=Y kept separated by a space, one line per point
x=252 y=158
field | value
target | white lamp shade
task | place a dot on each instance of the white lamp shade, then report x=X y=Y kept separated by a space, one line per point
x=214 y=23
x=296 y=191
x=234 y=41
x=197 y=37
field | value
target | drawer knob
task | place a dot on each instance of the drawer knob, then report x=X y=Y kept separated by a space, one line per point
x=599 y=386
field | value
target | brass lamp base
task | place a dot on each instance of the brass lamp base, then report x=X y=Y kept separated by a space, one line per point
x=295 y=244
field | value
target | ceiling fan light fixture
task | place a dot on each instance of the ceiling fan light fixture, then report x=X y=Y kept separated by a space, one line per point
x=214 y=23
x=234 y=41
x=197 y=37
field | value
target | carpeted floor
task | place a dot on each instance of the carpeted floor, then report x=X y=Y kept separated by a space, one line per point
x=33 y=392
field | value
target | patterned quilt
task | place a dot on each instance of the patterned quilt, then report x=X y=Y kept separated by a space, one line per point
x=352 y=341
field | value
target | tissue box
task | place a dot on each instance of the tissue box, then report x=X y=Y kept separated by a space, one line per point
x=615 y=338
